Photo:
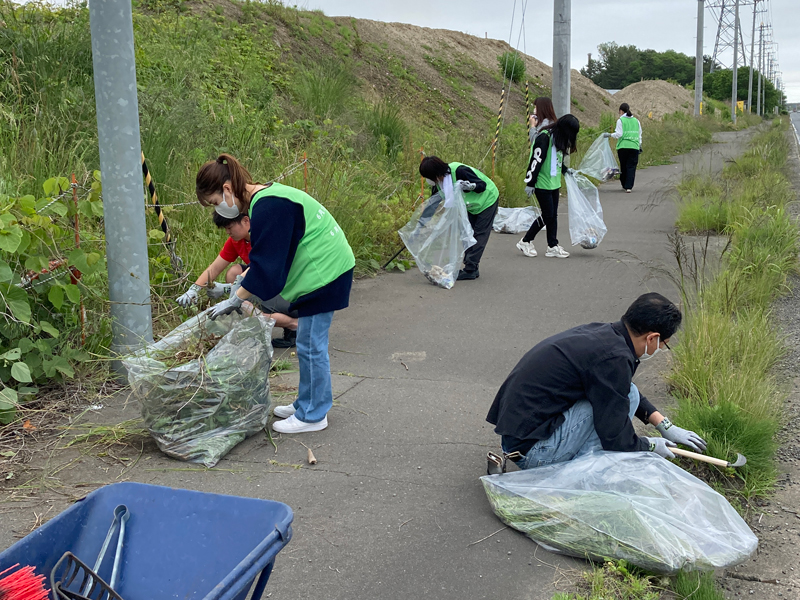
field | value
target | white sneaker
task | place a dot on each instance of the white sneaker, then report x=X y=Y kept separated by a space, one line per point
x=556 y=252
x=527 y=248
x=294 y=425
x=284 y=412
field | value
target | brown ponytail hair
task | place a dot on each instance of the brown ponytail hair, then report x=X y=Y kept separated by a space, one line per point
x=215 y=173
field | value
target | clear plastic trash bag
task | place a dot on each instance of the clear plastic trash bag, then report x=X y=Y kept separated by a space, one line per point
x=586 y=226
x=632 y=506
x=198 y=409
x=515 y=220
x=439 y=234
x=599 y=161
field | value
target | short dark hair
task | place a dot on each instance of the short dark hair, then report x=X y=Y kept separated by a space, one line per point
x=223 y=222
x=433 y=167
x=653 y=312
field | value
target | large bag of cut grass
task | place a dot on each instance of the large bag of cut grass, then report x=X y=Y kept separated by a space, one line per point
x=599 y=161
x=633 y=506
x=204 y=387
x=438 y=235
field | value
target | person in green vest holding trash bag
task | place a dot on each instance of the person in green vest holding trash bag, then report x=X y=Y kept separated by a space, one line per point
x=549 y=159
x=298 y=251
x=628 y=134
x=481 y=197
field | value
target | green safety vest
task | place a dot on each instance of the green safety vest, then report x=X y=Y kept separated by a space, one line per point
x=545 y=181
x=630 y=134
x=477 y=202
x=323 y=253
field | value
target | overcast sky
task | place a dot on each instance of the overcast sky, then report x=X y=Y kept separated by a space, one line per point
x=657 y=24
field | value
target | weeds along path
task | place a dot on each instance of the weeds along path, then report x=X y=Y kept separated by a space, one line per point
x=394 y=508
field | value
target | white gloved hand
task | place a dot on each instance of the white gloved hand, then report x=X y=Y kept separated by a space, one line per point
x=606 y=135
x=226 y=307
x=529 y=190
x=190 y=297
x=679 y=435
x=466 y=186
x=237 y=283
x=218 y=291
x=661 y=446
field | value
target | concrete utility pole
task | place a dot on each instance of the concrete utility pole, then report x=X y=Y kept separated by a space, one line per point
x=760 y=66
x=752 y=60
x=111 y=24
x=734 y=91
x=562 y=10
x=698 y=61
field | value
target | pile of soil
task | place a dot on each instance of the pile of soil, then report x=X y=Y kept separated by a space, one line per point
x=656 y=98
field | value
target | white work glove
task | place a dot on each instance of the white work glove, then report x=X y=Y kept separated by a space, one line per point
x=466 y=186
x=218 y=291
x=661 y=446
x=237 y=283
x=606 y=135
x=679 y=435
x=529 y=190
x=190 y=297
x=225 y=307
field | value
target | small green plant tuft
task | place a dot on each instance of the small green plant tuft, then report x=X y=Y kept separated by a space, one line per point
x=512 y=66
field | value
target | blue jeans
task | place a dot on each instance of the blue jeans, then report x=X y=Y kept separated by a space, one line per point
x=314 y=394
x=575 y=437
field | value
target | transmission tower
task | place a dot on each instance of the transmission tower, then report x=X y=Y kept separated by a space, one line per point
x=724 y=12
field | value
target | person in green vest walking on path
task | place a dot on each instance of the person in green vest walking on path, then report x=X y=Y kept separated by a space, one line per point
x=549 y=159
x=629 y=145
x=480 y=196
x=298 y=251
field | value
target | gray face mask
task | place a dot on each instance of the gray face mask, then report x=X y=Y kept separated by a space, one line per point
x=229 y=211
x=644 y=357
x=430 y=182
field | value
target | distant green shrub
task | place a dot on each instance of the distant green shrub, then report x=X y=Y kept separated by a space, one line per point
x=512 y=66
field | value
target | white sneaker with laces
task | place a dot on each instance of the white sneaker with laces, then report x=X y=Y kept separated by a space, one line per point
x=284 y=412
x=294 y=425
x=556 y=252
x=527 y=248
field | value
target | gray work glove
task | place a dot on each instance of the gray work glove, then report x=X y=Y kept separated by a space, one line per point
x=226 y=307
x=529 y=190
x=190 y=297
x=679 y=435
x=237 y=283
x=606 y=135
x=661 y=446
x=466 y=186
x=218 y=291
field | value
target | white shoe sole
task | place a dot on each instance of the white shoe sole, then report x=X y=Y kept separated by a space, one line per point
x=557 y=255
x=284 y=412
x=526 y=252
x=281 y=426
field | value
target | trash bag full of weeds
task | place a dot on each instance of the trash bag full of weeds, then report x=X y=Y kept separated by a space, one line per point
x=439 y=234
x=586 y=226
x=204 y=387
x=515 y=220
x=599 y=161
x=632 y=506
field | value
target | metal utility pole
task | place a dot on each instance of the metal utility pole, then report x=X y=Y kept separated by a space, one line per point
x=735 y=73
x=562 y=25
x=760 y=66
x=752 y=60
x=111 y=25
x=698 y=60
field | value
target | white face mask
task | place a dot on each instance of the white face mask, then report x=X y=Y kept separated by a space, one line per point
x=644 y=357
x=229 y=211
x=429 y=182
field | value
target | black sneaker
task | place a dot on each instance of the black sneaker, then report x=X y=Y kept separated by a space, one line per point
x=288 y=340
x=467 y=275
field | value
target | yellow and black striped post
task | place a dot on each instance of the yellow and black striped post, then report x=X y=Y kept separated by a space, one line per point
x=527 y=109
x=177 y=263
x=497 y=130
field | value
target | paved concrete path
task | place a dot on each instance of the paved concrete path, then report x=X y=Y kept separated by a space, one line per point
x=394 y=508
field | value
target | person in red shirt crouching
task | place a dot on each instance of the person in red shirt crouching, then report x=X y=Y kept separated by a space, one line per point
x=236 y=247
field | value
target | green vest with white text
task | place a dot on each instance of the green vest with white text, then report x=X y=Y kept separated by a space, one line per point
x=546 y=181
x=323 y=253
x=475 y=202
x=630 y=134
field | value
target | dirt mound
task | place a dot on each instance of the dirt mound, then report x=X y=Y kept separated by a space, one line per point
x=656 y=98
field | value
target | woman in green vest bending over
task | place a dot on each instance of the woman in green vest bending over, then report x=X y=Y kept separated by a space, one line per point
x=297 y=251
x=629 y=145
x=480 y=196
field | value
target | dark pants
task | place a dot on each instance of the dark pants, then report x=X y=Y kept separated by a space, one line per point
x=628 y=159
x=278 y=305
x=548 y=202
x=481 y=227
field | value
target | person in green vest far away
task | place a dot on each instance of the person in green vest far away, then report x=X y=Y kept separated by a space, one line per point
x=237 y=246
x=481 y=197
x=299 y=251
x=629 y=145
x=548 y=160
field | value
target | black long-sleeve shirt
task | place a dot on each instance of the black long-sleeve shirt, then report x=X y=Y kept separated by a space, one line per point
x=593 y=362
x=465 y=173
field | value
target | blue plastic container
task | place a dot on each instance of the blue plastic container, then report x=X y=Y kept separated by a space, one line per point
x=178 y=543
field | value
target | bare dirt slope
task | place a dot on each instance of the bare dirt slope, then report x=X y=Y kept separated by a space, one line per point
x=657 y=97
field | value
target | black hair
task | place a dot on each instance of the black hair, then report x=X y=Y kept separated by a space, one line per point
x=653 y=313
x=626 y=109
x=433 y=167
x=223 y=222
x=565 y=133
